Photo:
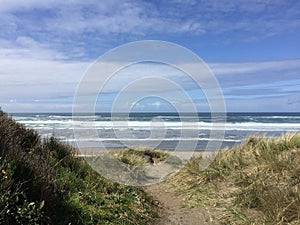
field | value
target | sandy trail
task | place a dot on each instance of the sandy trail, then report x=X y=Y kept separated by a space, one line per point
x=172 y=210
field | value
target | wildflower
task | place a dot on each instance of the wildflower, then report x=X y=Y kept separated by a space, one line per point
x=3 y=171
x=5 y=177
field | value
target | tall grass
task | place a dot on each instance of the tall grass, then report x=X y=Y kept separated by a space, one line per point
x=259 y=181
x=141 y=157
x=42 y=182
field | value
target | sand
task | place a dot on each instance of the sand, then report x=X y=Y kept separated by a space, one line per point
x=170 y=203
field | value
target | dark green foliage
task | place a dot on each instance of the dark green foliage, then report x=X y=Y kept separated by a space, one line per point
x=45 y=183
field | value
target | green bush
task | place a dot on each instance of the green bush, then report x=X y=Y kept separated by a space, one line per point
x=43 y=182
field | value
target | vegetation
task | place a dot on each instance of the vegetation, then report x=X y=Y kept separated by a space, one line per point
x=42 y=182
x=136 y=167
x=255 y=183
x=141 y=158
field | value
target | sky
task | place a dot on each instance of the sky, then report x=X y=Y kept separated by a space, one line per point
x=251 y=46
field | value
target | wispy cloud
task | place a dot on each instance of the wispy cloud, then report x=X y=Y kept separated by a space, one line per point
x=61 y=24
x=45 y=84
x=29 y=75
x=251 y=73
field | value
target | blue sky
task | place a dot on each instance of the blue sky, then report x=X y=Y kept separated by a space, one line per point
x=252 y=47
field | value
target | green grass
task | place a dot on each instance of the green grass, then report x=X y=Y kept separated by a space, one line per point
x=42 y=182
x=136 y=157
x=255 y=183
x=137 y=167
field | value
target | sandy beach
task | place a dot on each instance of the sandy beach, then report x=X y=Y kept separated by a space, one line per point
x=92 y=151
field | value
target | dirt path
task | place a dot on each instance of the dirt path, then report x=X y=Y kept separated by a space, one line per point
x=173 y=212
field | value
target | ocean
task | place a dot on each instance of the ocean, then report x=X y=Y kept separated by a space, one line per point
x=157 y=130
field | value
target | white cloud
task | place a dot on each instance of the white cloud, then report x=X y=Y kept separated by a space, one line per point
x=21 y=5
x=27 y=48
x=41 y=85
x=141 y=18
x=254 y=67
x=29 y=73
x=32 y=71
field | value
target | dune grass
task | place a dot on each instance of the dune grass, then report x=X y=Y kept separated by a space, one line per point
x=42 y=182
x=136 y=167
x=257 y=182
x=137 y=157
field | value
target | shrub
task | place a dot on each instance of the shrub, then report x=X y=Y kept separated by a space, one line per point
x=45 y=183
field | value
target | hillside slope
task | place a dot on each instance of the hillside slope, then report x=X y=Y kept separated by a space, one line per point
x=42 y=182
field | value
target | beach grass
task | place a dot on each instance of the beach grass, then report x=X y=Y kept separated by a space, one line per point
x=142 y=157
x=135 y=166
x=42 y=182
x=257 y=182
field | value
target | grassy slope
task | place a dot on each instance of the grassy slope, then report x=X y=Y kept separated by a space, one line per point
x=255 y=183
x=43 y=183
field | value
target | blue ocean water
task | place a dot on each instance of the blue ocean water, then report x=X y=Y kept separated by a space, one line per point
x=159 y=130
